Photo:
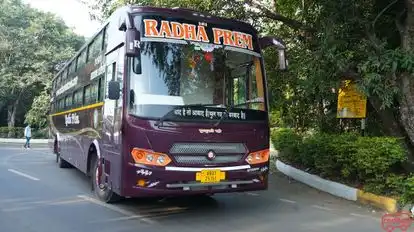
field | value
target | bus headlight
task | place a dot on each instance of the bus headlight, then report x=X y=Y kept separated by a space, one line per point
x=161 y=160
x=147 y=157
x=258 y=157
x=150 y=158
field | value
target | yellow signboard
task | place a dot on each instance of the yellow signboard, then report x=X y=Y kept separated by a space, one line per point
x=351 y=102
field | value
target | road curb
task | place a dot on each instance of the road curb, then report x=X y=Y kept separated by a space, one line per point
x=22 y=141
x=337 y=189
x=386 y=203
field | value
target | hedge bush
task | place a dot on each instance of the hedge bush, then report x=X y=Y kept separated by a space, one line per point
x=18 y=132
x=371 y=163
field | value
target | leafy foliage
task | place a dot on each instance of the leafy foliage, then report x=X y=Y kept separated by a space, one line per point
x=18 y=132
x=372 y=162
x=33 y=45
x=37 y=115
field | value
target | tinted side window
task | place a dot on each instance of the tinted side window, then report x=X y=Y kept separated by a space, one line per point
x=95 y=92
x=91 y=93
x=64 y=76
x=87 y=94
x=95 y=47
x=61 y=104
x=77 y=98
x=101 y=89
x=81 y=61
x=72 y=69
x=105 y=42
x=68 y=101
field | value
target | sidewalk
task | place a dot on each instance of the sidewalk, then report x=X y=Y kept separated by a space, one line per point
x=22 y=141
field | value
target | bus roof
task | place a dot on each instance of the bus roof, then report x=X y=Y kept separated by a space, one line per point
x=194 y=14
x=183 y=12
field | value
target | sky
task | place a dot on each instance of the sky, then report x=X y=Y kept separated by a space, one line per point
x=74 y=13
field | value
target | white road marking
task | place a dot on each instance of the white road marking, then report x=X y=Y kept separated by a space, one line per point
x=23 y=174
x=50 y=201
x=30 y=163
x=38 y=204
x=357 y=215
x=317 y=225
x=141 y=217
x=287 y=201
x=11 y=200
x=67 y=202
x=17 y=209
x=322 y=208
x=253 y=194
x=126 y=213
x=365 y=216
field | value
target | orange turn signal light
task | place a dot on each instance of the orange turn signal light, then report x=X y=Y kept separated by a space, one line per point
x=147 y=157
x=258 y=157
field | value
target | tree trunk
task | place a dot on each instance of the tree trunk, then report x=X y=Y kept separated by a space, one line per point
x=393 y=127
x=11 y=116
x=3 y=105
x=406 y=110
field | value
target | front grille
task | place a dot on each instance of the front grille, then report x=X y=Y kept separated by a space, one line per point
x=200 y=159
x=203 y=148
x=196 y=153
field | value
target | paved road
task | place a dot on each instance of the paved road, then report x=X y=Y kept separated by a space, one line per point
x=37 y=196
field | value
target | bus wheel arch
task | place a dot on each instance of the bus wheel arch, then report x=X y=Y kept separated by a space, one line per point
x=92 y=154
x=104 y=194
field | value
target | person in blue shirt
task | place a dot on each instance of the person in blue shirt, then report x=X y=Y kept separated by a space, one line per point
x=27 y=135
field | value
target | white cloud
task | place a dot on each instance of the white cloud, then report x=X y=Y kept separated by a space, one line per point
x=74 y=13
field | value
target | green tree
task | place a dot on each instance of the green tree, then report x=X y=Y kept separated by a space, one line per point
x=33 y=46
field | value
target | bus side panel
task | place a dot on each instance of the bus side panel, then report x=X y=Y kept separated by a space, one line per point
x=91 y=131
x=113 y=109
x=112 y=122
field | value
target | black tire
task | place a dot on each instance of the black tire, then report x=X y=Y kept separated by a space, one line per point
x=61 y=162
x=104 y=192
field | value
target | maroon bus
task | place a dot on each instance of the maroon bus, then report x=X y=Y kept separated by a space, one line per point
x=165 y=102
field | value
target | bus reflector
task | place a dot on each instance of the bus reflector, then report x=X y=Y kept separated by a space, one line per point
x=147 y=157
x=141 y=183
x=258 y=157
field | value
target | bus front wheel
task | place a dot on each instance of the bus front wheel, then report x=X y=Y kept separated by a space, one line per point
x=102 y=190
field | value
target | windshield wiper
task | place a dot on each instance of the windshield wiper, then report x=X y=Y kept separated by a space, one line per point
x=165 y=116
x=225 y=115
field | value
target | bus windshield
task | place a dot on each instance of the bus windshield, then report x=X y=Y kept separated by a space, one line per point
x=171 y=73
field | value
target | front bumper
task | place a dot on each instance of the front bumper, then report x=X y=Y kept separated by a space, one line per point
x=176 y=181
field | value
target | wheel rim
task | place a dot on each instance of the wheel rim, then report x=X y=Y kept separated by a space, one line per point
x=98 y=184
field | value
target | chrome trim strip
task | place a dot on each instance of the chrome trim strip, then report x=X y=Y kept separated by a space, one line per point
x=209 y=184
x=187 y=169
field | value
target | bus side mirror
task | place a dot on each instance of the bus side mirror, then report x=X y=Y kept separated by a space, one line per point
x=269 y=41
x=113 y=90
x=133 y=42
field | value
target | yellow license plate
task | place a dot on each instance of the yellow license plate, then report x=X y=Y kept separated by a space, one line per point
x=210 y=176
